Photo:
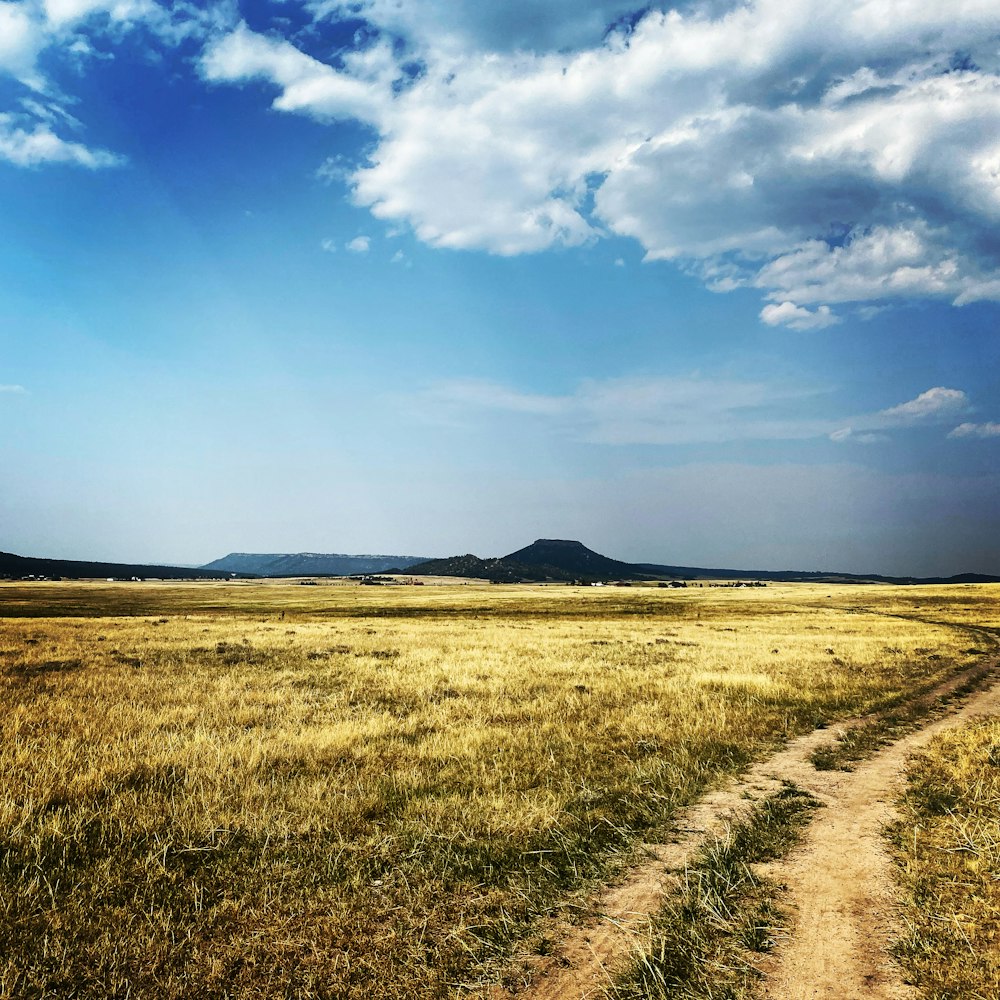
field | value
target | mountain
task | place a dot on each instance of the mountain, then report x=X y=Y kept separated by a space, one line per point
x=13 y=566
x=308 y=563
x=545 y=559
x=472 y=567
x=565 y=560
x=803 y=576
x=560 y=558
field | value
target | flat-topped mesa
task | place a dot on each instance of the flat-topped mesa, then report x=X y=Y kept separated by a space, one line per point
x=570 y=556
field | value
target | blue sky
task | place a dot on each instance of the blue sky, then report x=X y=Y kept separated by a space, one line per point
x=714 y=283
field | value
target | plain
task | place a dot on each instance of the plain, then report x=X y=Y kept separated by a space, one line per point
x=268 y=790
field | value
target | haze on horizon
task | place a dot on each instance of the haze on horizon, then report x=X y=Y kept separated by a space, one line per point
x=707 y=283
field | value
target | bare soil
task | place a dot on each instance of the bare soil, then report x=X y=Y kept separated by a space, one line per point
x=838 y=882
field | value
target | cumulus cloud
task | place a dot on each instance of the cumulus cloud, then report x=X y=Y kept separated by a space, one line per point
x=798 y=317
x=360 y=244
x=32 y=146
x=928 y=409
x=21 y=40
x=67 y=27
x=821 y=153
x=967 y=430
x=306 y=84
x=938 y=403
x=884 y=263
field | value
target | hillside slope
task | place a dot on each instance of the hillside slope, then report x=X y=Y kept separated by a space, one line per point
x=309 y=563
x=559 y=559
x=565 y=559
x=14 y=566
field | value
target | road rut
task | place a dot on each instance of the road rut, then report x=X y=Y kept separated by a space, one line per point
x=839 y=885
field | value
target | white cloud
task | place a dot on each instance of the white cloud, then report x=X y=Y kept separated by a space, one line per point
x=67 y=27
x=13 y=389
x=849 y=434
x=676 y=410
x=306 y=84
x=820 y=153
x=653 y=411
x=62 y=12
x=328 y=245
x=798 y=317
x=938 y=403
x=360 y=244
x=41 y=145
x=34 y=33
x=987 y=430
x=885 y=263
x=932 y=407
x=21 y=39
x=739 y=135
x=538 y=25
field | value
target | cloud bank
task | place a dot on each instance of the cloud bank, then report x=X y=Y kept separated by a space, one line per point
x=829 y=156
x=683 y=410
x=967 y=430
x=823 y=154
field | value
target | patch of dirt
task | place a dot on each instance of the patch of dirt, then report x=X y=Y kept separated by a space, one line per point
x=838 y=881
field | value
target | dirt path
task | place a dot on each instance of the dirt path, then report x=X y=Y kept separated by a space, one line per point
x=839 y=884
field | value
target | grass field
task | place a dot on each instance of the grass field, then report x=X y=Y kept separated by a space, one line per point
x=266 y=790
x=948 y=855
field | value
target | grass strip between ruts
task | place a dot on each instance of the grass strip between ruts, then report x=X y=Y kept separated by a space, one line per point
x=724 y=911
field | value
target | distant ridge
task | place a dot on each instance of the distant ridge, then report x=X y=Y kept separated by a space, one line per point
x=546 y=559
x=13 y=566
x=474 y=568
x=308 y=563
x=559 y=559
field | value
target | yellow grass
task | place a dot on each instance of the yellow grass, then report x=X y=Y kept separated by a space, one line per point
x=265 y=790
x=948 y=851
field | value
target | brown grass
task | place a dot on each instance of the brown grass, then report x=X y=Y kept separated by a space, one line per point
x=948 y=854
x=259 y=790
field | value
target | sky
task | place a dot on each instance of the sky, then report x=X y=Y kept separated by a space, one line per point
x=708 y=283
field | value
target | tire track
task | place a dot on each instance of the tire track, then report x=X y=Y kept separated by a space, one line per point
x=838 y=881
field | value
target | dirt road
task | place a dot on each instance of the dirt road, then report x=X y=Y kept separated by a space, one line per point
x=839 y=886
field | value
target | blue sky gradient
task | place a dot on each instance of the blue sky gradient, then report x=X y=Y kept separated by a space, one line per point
x=448 y=277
